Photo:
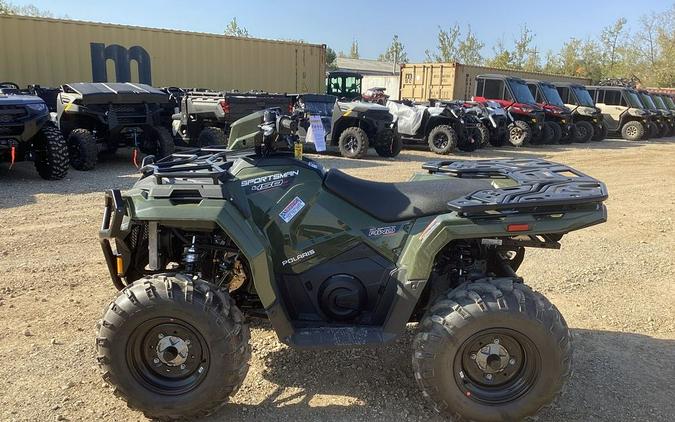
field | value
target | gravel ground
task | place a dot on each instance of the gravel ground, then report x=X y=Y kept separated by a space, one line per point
x=615 y=284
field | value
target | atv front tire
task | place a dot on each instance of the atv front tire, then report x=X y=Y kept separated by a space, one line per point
x=82 y=149
x=520 y=133
x=442 y=139
x=585 y=131
x=600 y=132
x=353 y=142
x=633 y=131
x=173 y=347
x=158 y=142
x=390 y=149
x=211 y=136
x=51 y=153
x=492 y=350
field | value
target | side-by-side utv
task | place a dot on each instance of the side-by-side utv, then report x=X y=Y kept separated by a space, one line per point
x=623 y=111
x=587 y=118
x=102 y=117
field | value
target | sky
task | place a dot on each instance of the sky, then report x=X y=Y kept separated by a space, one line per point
x=372 y=23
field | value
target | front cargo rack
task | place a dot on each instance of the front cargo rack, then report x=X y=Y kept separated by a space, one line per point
x=541 y=186
x=212 y=162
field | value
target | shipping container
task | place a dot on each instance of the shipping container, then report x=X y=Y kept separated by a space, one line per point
x=389 y=83
x=455 y=81
x=51 y=52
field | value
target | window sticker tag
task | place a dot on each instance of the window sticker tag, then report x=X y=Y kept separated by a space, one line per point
x=292 y=209
x=316 y=133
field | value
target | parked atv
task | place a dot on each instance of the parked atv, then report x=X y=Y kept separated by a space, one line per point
x=665 y=102
x=494 y=118
x=376 y=95
x=588 y=121
x=445 y=126
x=623 y=111
x=352 y=127
x=513 y=94
x=27 y=133
x=102 y=117
x=206 y=238
x=558 y=125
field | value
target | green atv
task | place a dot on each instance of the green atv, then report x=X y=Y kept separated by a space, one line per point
x=209 y=237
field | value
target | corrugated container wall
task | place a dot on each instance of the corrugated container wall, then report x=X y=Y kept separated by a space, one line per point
x=455 y=81
x=51 y=52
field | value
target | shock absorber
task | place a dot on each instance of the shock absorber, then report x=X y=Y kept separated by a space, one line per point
x=191 y=257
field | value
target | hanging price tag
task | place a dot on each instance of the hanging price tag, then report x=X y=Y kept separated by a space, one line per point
x=316 y=133
x=297 y=150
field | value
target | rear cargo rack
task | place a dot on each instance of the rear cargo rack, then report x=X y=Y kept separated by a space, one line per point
x=542 y=186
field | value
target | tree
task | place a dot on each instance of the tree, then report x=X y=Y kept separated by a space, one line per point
x=330 y=59
x=501 y=58
x=612 y=39
x=447 y=49
x=26 y=10
x=395 y=53
x=468 y=50
x=354 y=50
x=234 y=30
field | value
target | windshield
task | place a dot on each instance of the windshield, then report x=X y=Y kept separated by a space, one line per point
x=583 y=96
x=646 y=99
x=669 y=102
x=521 y=92
x=634 y=99
x=659 y=102
x=551 y=95
x=320 y=108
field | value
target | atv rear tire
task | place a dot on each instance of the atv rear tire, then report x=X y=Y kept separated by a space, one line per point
x=633 y=131
x=211 y=136
x=600 y=133
x=492 y=350
x=585 y=131
x=158 y=142
x=391 y=148
x=442 y=139
x=51 y=153
x=173 y=347
x=353 y=142
x=82 y=149
x=520 y=133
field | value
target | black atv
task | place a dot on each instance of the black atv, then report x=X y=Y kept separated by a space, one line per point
x=102 y=117
x=444 y=126
x=26 y=133
x=352 y=127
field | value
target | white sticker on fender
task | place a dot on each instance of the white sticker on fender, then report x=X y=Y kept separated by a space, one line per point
x=292 y=209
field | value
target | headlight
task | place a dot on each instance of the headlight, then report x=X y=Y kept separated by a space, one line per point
x=37 y=107
x=637 y=112
x=586 y=111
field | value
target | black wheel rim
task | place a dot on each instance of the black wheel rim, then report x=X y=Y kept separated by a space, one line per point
x=496 y=366
x=168 y=356
x=582 y=132
x=440 y=140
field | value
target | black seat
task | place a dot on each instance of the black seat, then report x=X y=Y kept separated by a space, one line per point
x=391 y=202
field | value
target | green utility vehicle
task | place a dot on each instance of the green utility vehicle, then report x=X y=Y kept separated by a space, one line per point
x=208 y=237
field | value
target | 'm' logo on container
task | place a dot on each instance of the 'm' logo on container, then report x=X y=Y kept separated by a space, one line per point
x=121 y=57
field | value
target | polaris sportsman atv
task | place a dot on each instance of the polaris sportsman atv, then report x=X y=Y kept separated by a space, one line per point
x=210 y=236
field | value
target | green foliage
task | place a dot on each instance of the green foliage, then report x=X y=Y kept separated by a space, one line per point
x=330 y=59
x=7 y=8
x=447 y=49
x=469 y=49
x=395 y=53
x=354 y=50
x=234 y=30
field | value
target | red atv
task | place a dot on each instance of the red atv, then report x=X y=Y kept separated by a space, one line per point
x=513 y=94
x=376 y=95
x=558 y=126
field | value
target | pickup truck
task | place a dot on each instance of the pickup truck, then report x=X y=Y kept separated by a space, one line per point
x=205 y=116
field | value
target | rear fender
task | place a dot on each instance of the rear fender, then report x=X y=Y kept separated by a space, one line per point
x=429 y=235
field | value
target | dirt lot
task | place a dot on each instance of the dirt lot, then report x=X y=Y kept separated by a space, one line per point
x=615 y=284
